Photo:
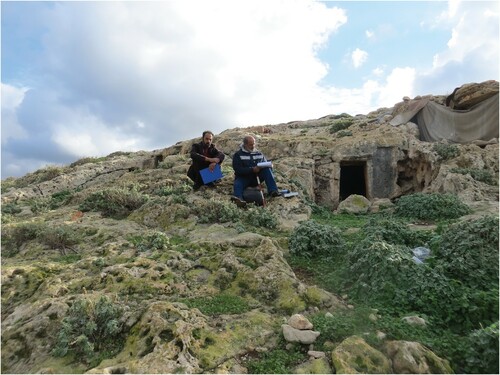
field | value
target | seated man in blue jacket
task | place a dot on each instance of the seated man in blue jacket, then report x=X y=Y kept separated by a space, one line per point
x=246 y=171
x=204 y=155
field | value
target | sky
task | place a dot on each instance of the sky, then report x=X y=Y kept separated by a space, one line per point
x=85 y=79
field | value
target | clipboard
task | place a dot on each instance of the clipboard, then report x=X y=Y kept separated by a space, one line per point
x=209 y=176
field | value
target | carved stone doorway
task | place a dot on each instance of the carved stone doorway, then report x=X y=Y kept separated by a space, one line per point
x=352 y=179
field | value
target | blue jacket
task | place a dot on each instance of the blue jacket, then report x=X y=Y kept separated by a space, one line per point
x=244 y=161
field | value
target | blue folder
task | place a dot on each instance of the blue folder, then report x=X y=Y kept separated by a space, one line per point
x=210 y=176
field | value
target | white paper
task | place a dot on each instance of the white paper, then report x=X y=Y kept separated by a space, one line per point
x=265 y=164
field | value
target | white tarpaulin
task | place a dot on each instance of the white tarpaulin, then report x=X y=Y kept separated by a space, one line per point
x=437 y=122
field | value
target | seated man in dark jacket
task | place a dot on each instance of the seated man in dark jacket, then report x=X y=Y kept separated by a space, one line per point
x=204 y=155
x=245 y=167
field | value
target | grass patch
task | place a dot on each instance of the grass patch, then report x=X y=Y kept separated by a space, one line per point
x=219 y=304
x=277 y=361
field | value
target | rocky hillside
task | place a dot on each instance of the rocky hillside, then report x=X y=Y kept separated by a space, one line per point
x=114 y=265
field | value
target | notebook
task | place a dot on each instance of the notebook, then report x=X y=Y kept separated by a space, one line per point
x=210 y=176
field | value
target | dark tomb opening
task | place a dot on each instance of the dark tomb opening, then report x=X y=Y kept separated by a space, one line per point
x=352 y=179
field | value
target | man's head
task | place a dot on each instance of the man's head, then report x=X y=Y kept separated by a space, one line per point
x=207 y=137
x=249 y=143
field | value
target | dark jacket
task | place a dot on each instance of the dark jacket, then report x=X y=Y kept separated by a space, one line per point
x=198 y=153
x=244 y=161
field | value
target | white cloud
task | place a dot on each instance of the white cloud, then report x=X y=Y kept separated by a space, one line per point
x=378 y=71
x=12 y=97
x=83 y=134
x=179 y=66
x=358 y=57
x=398 y=84
x=144 y=75
x=472 y=50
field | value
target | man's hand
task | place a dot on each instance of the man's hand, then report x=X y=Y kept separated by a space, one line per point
x=212 y=160
x=211 y=167
x=256 y=169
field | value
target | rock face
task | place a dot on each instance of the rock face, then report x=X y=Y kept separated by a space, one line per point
x=468 y=95
x=355 y=356
x=180 y=256
x=368 y=157
x=413 y=358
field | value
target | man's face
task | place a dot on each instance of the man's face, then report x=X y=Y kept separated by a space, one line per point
x=207 y=139
x=250 y=145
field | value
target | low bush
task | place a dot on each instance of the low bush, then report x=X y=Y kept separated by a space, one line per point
x=60 y=199
x=379 y=270
x=91 y=330
x=341 y=124
x=174 y=190
x=87 y=160
x=151 y=242
x=394 y=231
x=62 y=238
x=216 y=211
x=445 y=151
x=468 y=252
x=311 y=239
x=384 y=274
x=482 y=175
x=261 y=218
x=114 y=202
x=13 y=237
x=344 y=133
x=10 y=208
x=430 y=207
x=277 y=361
x=482 y=356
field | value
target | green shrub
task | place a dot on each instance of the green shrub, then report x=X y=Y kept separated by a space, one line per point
x=10 y=208
x=482 y=175
x=445 y=151
x=8 y=183
x=216 y=211
x=341 y=124
x=114 y=202
x=91 y=330
x=377 y=270
x=219 y=304
x=431 y=207
x=311 y=239
x=13 y=237
x=87 y=160
x=482 y=357
x=174 y=190
x=261 y=217
x=344 y=133
x=394 y=231
x=151 y=242
x=39 y=205
x=468 y=252
x=166 y=164
x=385 y=275
x=60 y=199
x=277 y=361
x=60 y=238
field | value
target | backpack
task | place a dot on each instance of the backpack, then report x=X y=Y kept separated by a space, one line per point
x=253 y=195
